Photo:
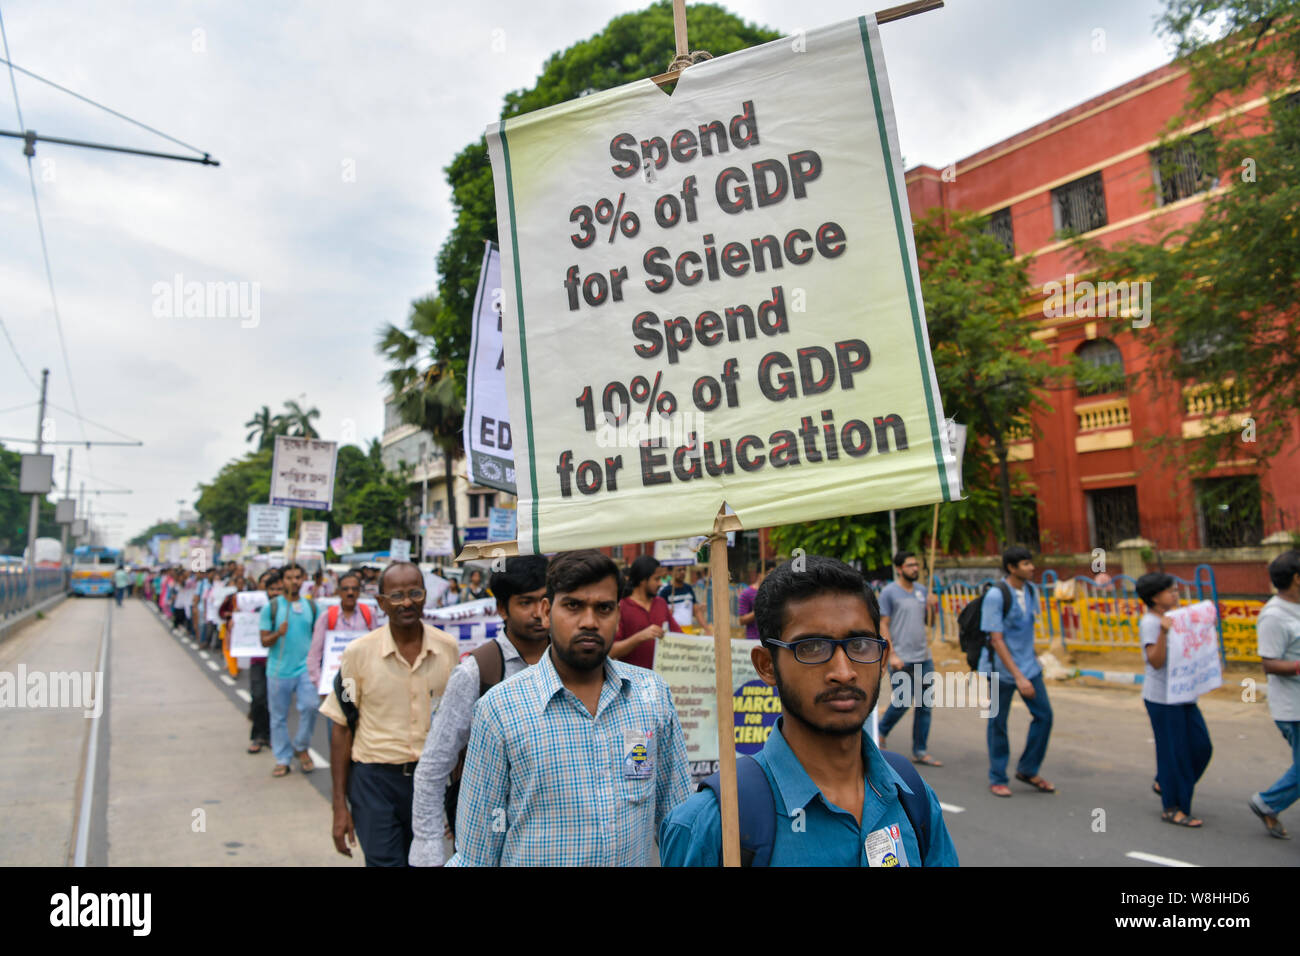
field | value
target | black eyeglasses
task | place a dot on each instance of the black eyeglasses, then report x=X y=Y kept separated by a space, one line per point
x=819 y=650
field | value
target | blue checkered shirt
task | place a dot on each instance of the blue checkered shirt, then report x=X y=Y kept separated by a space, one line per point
x=546 y=783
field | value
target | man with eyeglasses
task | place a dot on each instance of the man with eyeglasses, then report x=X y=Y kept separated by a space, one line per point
x=387 y=685
x=836 y=799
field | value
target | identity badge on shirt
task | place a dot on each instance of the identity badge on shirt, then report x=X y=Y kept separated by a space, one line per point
x=885 y=847
x=637 y=764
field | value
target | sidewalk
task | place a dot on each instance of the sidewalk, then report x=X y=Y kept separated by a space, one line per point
x=182 y=790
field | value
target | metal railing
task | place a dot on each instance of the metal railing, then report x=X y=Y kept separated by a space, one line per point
x=20 y=591
x=1078 y=614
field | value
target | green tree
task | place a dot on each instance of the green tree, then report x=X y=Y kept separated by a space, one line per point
x=223 y=503
x=298 y=421
x=991 y=375
x=262 y=426
x=632 y=46
x=15 y=508
x=428 y=392
x=169 y=528
x=1226 y=284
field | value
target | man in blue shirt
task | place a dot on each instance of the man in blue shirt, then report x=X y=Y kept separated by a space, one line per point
x=576 y=760
x=1010 y=633
x=286 y=624
x=836 y=798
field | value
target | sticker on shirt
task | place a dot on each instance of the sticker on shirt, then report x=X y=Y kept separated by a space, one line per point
x=637 y=764
x=885 y=847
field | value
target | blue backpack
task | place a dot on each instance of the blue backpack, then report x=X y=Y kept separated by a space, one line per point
x=758 y=809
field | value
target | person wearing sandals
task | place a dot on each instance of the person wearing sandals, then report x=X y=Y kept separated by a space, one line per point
x=1278 y=634
x=1010 y=654
x=286 y=624
x=905 y=608
x=1183 y=746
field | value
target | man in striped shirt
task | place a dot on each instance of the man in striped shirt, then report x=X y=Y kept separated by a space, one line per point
x=576 y=760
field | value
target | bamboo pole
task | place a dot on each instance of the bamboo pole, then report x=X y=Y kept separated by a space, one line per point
x=934 y=535
x=728 y=801
x=679 y=27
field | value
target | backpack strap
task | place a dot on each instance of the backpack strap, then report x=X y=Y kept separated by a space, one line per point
x=757 y=810
x=332 y=617
x=348 y=705
x=915 y=804
x=366 y=615
x=491 y=666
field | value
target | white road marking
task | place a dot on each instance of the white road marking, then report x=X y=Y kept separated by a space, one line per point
x=244 y=695
x=949 y=808
x=227 y=680
x=1160 y=860
x=204 y=654
x=317 y=759
x=213 y=665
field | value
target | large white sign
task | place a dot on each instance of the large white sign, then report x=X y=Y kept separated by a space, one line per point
x=489 y=443
x=437 y=541
x=1192 y=659
x=399 y=549
x=713 y=296
x=267 y=525
x=302 y=473
x=335 y=643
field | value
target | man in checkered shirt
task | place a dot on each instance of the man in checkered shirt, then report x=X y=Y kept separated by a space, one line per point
x=576 y=760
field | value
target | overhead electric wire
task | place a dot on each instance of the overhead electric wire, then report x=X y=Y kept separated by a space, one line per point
x=45 y=251
x=21 y=364
x=87 y=421
x=106 y=109
x=17 y=408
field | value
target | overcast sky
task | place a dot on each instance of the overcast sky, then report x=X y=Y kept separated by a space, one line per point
x=333 y=121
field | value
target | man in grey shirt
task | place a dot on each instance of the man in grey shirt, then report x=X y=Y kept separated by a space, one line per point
x=519 y=591
x=1278 y=634
x=905 y=607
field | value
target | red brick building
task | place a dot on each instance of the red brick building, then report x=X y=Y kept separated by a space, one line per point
x=1094 y=169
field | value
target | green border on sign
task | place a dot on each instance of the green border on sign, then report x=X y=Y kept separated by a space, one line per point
x=523 y=338
x=902 y=249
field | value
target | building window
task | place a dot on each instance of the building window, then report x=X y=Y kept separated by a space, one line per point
x=1229 y=512
x=1112 y=516
x=999 y=227
x=1025 y=511
x=480 y=503
x=1101 y=368
x=1079 y=206
x=1184 y=169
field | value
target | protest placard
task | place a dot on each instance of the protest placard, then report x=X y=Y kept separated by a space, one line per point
x=501 y=524
x=312 y=535
x=302 y=472
x=267 y=525
x=231 y=545
x=488 y=440
x=399 y=550
x=675 y=552
x=335 y=643
x=437 y=541
x=721 y=288
x=353 y=534
x=1192 y=658
x=245 y=634
x=340 y=546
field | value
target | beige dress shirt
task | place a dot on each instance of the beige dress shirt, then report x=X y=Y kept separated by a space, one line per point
x=394 y=698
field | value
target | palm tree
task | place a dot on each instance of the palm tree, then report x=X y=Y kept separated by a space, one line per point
x=297 y=422
x=263 y=427
x=427 y=392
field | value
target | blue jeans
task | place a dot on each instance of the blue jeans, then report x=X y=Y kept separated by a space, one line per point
x=1183 y=751
x=1040 y=729
x=1287 y=789
x=910 y=690
x=278 y=693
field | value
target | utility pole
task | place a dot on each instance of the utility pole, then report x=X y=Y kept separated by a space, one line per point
x=424 y=501
x=36 y=499
x=67 y=493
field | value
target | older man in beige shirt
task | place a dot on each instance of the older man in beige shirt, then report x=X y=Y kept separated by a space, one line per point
x=386 y=688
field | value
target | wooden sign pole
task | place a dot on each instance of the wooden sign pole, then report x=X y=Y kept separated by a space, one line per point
x=718 y=571
x=934 y=534
x=292 y=554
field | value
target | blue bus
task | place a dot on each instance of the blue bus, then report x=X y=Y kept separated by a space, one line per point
x=92 y=570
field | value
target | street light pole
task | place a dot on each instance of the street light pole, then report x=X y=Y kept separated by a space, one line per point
x=35 y=513
x=424 y=499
